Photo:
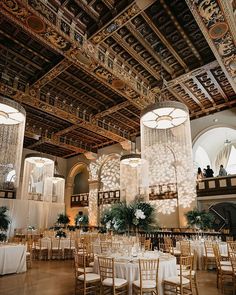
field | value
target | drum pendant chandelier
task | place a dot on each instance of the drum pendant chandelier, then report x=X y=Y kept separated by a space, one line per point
x=167 y=147
x=12 y=126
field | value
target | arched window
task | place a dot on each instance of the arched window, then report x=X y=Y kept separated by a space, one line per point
x=11 y=176
x=231 y=165
x=201 y=158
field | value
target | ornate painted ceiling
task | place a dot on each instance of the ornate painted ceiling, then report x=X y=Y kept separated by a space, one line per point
x=84 y=69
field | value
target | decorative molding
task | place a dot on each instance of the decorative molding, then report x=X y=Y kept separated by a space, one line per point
x=213 y=24
x=32 y=100
x=84 y=54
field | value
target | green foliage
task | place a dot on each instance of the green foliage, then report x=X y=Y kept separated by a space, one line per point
x=3 y=237
x=201 y=219
x=60 y=234
x=122 y=217
x=4 y=219
x=81 y=220
x=63 y=219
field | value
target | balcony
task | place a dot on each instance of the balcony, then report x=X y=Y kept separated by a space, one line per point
x=217 y=186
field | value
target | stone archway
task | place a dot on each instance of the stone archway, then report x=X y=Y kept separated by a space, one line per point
x=77 y=168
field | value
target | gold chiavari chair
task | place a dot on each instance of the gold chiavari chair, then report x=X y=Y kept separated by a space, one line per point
x=39 y=251
x=110 y=284
x=208 y=256
x=85 y=282
x=69 y=250
x=181 y=284
x=224 y=272
x=148 y=245
x=232 y=257
x=105 y=247
x=148 y=277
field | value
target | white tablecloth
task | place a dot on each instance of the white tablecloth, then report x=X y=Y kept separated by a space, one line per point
x=12 y=259
x=130 y=270
x=199 y=250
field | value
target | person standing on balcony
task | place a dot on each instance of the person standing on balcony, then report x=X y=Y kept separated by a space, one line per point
x=209 y=172
x=200 y=175
x=222 y=171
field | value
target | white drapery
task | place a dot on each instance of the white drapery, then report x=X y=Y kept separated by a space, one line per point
x=34 y=184
x=223 y=156
x=24 y=213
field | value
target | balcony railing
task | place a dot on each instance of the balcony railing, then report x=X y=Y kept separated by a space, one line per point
x=80 y=200
x=7 y=194
x=217 y=186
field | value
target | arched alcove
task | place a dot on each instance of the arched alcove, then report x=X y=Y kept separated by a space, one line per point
x=210 y=143
x=77 y=174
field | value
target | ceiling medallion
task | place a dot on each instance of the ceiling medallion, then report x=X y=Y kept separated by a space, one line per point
x=164 y=115
x=118 y=84
x=218 y=30
x=35 y=24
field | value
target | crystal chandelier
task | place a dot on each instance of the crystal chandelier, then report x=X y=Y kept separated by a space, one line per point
x=12 y=125
x=166 y=146
x=58 y=184
x=130 y=175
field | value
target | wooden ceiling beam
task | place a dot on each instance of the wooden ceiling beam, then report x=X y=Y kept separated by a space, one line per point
x=124 y=61
x=112 y=110
x=91 y=12
x=78 y=95
x=136 y=56
x=192 y=95
x=24 y=46
x=203 y=90
x=35 y=102
x=33 y=64
x=85 y=55
x=181 y=31
x=164 y=40
x=149 y=48
x=52 y=73
x=53 y=141
x=179 y=97
x=91 y=87
x=217 y=85
x=120 y=20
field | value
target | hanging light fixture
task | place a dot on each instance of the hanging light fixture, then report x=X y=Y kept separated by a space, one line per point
x=57 y=176
x=38 y=168
x=164 y=115
x=58 y=184
x=166 y=146
x=12 y=125
x=132 y=159
x=130 y=174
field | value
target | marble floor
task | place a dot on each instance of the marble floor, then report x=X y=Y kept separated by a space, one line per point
x=57 y=277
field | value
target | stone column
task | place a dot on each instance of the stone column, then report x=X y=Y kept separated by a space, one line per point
x=93 y=203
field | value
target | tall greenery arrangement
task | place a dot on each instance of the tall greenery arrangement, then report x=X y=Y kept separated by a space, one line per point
x=123 y=217
x=81 y=220
x=4 y=222
x=200 y=219
x=63 y=219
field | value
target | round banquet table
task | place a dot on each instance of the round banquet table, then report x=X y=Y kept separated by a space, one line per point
x=12 y=258
x=199 y=250
x=127 y=267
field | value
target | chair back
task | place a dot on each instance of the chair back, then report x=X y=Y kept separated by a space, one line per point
x=231 y=246
x=148 y=270
x=185 y=248
x=106 y=268
x=208 y=246
x=186 y=264
x=105 y=247
x=232 y=257
x=148 y=245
